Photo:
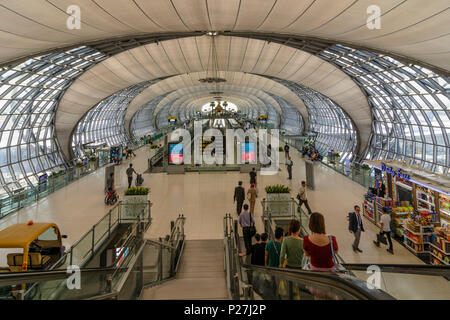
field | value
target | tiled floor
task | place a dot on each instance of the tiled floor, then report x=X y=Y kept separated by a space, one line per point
x=204 y=199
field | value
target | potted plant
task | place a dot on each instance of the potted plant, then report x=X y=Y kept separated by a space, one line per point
x=278 y=197
x=79 y=167
x=336 y=156
x=280 y=149
x=135 y=202
x=92 y=161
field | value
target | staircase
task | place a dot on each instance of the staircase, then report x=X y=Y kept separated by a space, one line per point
x=200 y=276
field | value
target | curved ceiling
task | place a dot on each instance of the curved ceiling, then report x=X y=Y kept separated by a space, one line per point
x=188 y=81
x=259 y=99
x=189 y=55
x=413 y=28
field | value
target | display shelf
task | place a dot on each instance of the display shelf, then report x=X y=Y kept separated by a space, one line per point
x=424 y=243
x=425 y=193
x=443 y=262
x=369 y=217
x=412 y=249
x=439 y=249
x=400 y=213
x=418 y=233
x=425 y=201
x=403 y=185
x=445 y=212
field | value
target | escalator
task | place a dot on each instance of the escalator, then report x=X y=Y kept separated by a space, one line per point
x=112 y=260
x=358 y=282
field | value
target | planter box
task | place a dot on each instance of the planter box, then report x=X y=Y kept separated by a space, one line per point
x=134 y=206
x=279 y=204
x=92 y=165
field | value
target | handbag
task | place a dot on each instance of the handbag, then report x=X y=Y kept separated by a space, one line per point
x=252 y=230
x=338 y=267
x=381 y=238
x=306 y=263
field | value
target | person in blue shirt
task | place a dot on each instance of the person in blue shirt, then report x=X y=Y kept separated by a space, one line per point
x=247 y=223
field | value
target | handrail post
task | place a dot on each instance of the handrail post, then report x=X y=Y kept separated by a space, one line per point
x=93 y=239
x=109 y=223
x=160 y=264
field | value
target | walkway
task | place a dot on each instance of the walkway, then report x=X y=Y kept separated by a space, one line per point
x=204 y=198
x=202 y=268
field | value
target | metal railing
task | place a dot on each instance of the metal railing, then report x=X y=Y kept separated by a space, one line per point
x=152 y=263
x=140 y=264
x=85 y=248
x=245 y=281
x=353 y=171
x=28 y=195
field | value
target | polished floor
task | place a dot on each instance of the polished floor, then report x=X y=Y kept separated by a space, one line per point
x=204 y=199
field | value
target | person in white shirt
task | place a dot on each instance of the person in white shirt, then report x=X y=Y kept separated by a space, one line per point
x=385 y=229
x=289 y=164
x=301 y=196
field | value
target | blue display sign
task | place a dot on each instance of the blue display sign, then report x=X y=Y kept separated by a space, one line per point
x=394 y=173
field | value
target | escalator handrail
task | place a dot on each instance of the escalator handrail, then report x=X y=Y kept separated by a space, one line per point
x=418 y=269
x=12 y=278
x=353 y=286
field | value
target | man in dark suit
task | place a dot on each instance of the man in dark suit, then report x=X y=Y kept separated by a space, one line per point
x=355 y=226
x=239 y=197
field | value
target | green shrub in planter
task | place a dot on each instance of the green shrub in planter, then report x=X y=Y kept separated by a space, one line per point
x=280 y=149
x=154 y=146
x=137 y=191
x=365 y=166
x=78 y=164
x=279 y=188
x=92 y=158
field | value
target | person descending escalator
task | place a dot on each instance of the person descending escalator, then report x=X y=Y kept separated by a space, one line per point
x=239 y=197
x=259 y=249
x=251 y=196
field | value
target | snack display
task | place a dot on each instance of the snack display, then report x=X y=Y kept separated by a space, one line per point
x=440 y=246
x=418 y=233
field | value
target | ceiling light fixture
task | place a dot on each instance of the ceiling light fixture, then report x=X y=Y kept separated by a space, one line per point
x=212 y=68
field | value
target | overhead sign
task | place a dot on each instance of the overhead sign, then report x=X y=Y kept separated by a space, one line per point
x=394 y=173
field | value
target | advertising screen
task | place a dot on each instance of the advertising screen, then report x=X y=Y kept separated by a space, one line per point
x=248 y=152
x=175 y=153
